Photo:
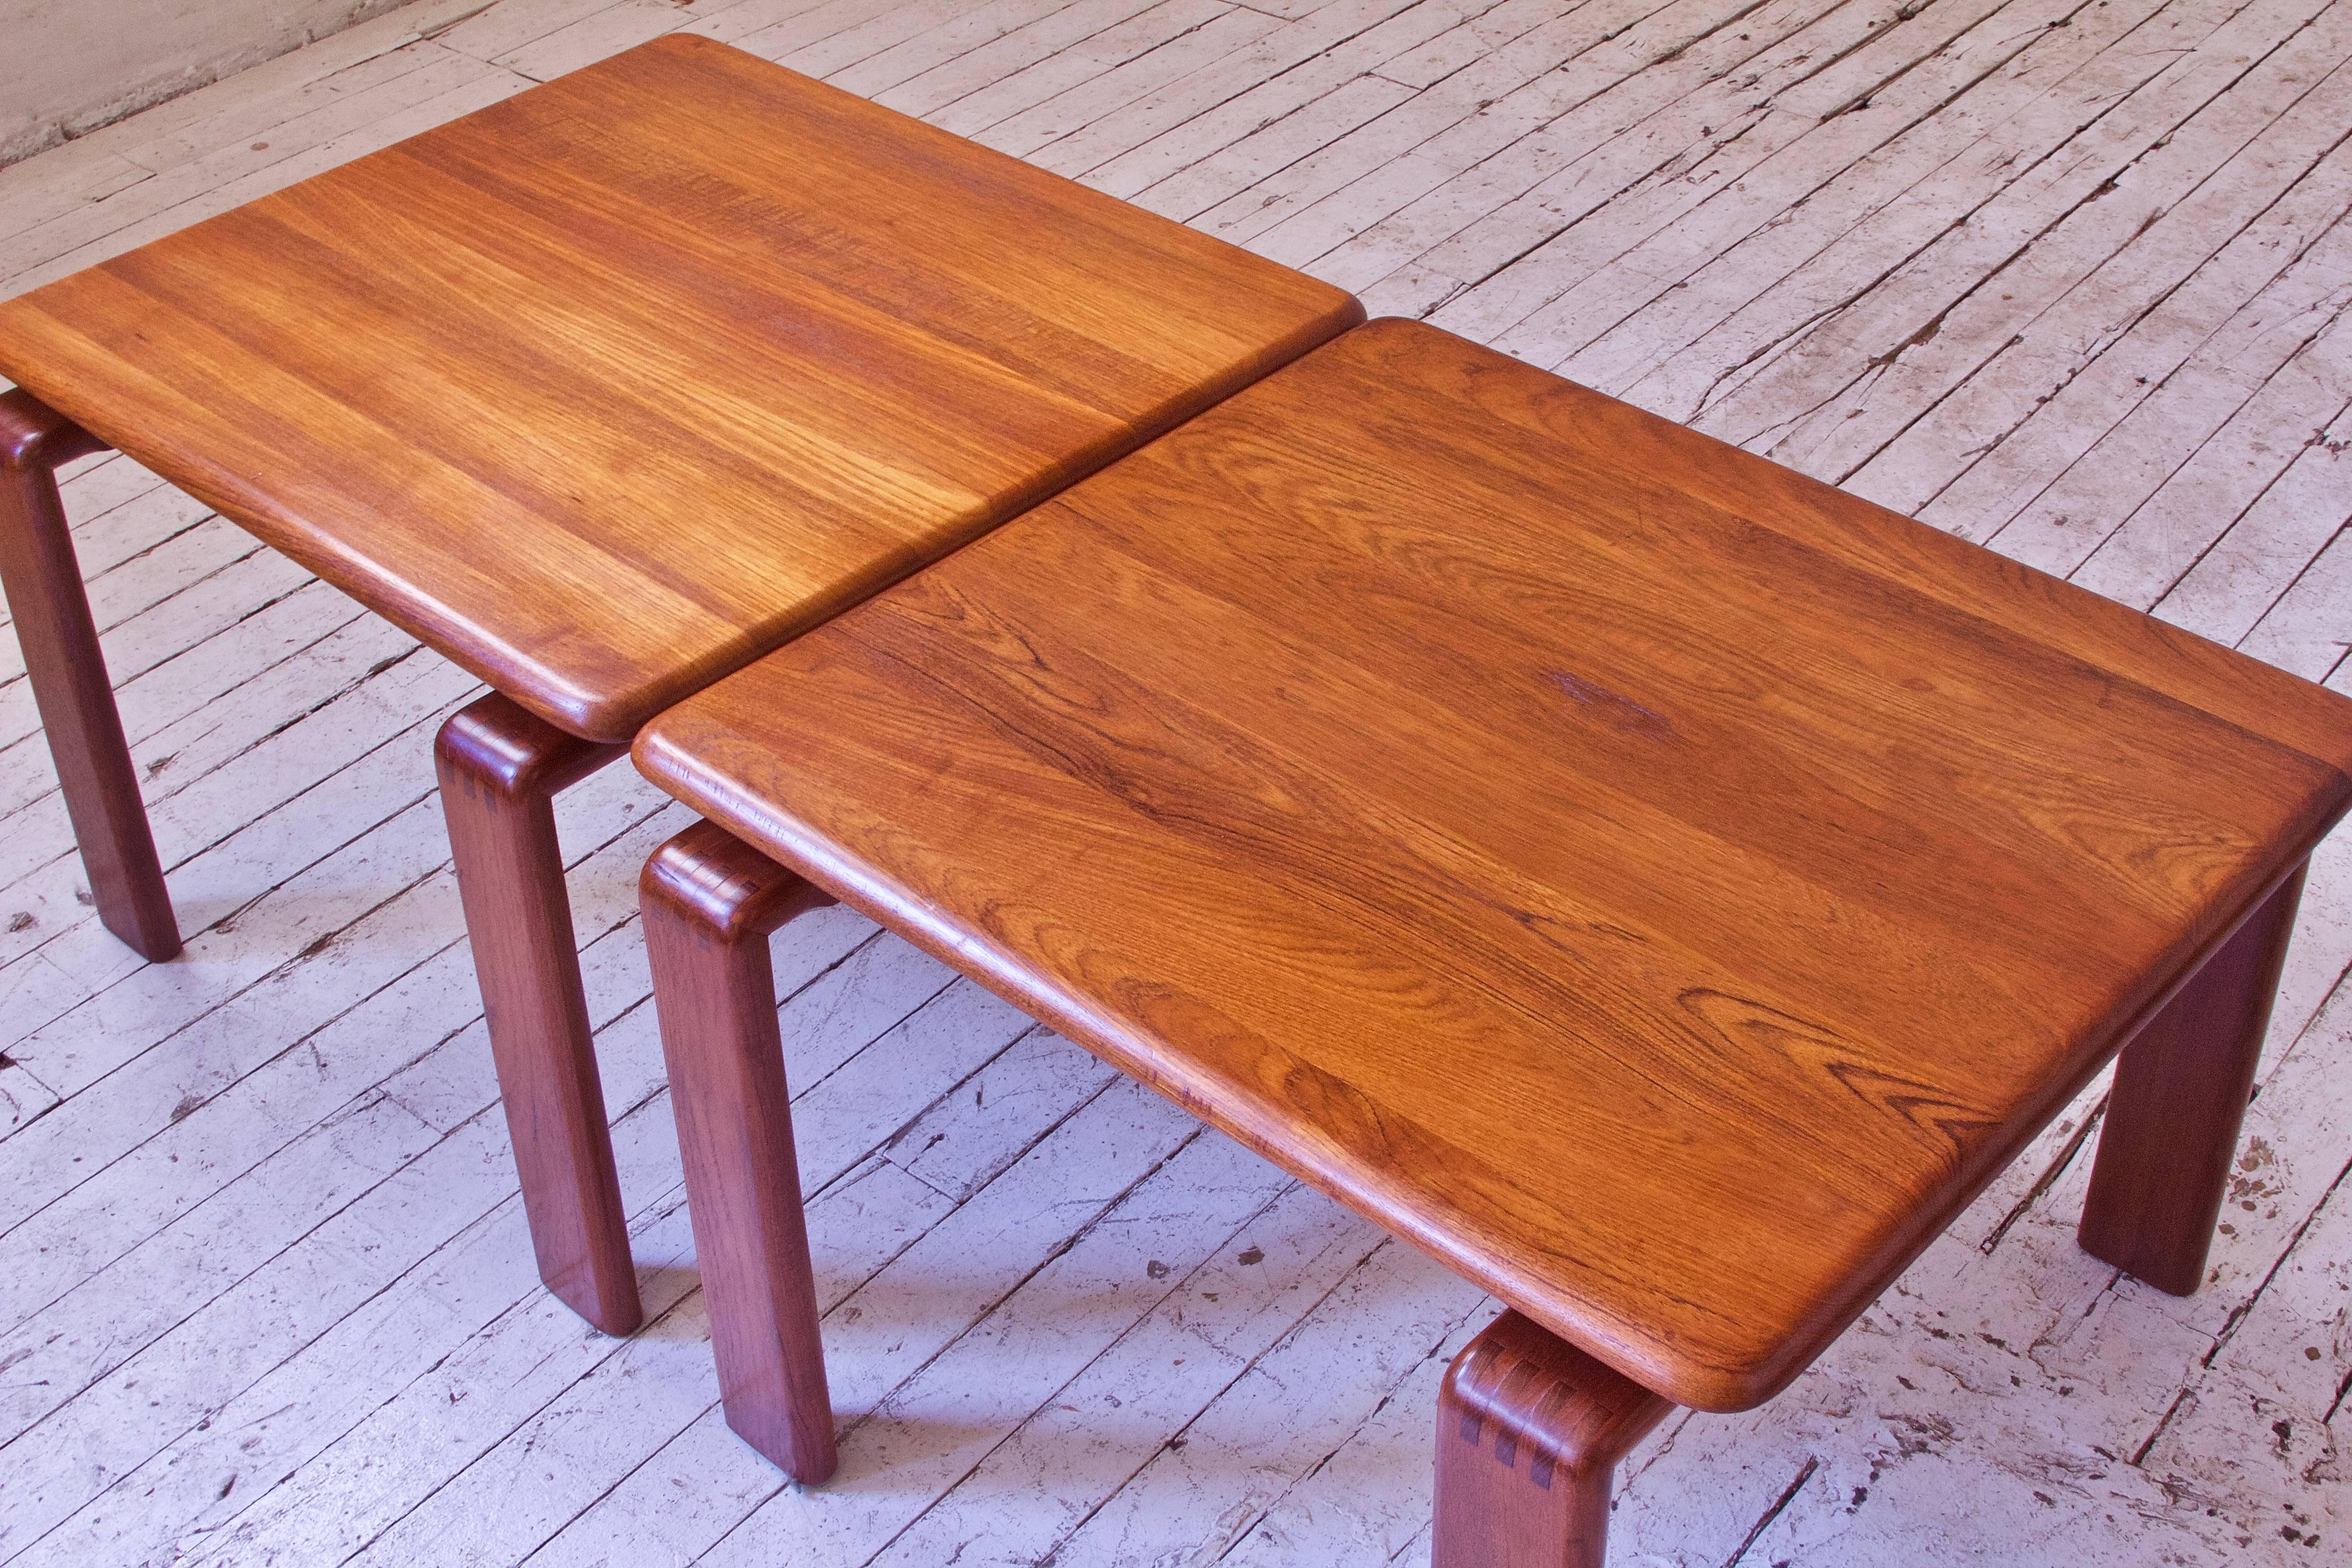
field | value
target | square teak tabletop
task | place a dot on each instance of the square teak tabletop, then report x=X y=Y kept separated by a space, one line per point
x=1660 y=886
x=602 y=391
x=607 y=389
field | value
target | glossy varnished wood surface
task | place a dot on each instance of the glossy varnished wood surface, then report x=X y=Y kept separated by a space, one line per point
x=1659 y=885
x=607 y=388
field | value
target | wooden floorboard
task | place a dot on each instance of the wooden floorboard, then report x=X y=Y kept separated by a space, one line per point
x=2068 y=276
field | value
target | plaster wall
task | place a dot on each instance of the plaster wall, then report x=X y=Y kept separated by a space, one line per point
x=70 y=66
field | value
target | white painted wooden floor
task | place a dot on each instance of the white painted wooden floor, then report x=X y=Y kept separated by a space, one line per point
x=2068 y=276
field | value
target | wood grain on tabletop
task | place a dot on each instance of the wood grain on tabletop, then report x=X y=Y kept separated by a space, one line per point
x=1660 y=885
x=609 y=387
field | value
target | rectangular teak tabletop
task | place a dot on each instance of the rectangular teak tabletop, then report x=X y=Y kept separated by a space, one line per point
x=1662 y=887
x=607 y=389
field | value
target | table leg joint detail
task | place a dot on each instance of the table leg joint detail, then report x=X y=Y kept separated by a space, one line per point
x=501 y=768
x=710 y=902
x=1516 y=1392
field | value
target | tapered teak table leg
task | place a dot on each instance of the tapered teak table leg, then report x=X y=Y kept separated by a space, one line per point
x=709 y=903
x=2181 y=1093
x=501 y=769
x=1530 y=1431
x=68 y=670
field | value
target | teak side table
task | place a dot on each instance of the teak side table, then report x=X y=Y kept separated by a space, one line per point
x=1661 y=888
x=602 y=392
